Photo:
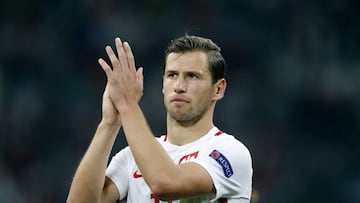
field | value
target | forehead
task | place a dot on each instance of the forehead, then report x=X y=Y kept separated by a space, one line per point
x=189 y=61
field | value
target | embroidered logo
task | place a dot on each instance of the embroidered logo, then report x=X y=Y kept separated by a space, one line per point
x=224 y=163
x=137 y=175
x=187 y=157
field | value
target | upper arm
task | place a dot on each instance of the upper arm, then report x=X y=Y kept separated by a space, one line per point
x=117 y=176
x=219 y=171
x=110 y=193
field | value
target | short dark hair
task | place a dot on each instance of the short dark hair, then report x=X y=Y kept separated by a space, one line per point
x=188 y=43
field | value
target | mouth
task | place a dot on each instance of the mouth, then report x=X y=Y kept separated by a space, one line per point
x=179 y=100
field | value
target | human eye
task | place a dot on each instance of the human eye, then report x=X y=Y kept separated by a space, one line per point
x=171 y=75
x=192 y=76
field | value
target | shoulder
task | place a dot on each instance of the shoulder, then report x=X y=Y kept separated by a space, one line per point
x=229 y=148
x=228 y=143
x=162 y=138
x=228 y=161
x=123 y=154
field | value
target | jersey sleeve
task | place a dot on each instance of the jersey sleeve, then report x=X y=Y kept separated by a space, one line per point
x=117 y=171
x=230 y=168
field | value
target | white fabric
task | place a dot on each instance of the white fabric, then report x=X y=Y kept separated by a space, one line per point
x=231 y=173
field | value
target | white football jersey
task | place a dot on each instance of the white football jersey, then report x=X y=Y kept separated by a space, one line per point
x=225 y=158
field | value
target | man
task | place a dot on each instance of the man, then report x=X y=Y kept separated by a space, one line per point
x=193 y=162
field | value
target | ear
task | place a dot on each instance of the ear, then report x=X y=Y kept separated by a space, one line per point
x=220 y=88
x=162 y=89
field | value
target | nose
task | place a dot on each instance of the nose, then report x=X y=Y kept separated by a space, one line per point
x=180 y=85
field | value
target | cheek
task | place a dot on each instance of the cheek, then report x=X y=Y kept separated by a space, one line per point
x=203 y=95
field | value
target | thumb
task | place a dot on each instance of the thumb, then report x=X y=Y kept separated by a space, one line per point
x=106 y=91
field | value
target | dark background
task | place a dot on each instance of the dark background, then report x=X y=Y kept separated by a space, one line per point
x=293 y=88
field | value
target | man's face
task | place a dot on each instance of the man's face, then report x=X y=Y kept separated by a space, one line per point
x=187 y=86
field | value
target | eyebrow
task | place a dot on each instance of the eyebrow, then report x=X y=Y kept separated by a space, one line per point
x=187 y=72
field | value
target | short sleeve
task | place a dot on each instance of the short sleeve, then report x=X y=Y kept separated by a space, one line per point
x=230 y=168
x=117 y=171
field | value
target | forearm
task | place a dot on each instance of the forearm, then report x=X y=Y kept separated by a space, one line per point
x=89 y=178
x=148 y=153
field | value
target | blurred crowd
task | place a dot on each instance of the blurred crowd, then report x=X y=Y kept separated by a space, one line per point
x=293 y=88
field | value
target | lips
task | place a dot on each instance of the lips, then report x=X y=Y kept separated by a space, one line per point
x=179 y=100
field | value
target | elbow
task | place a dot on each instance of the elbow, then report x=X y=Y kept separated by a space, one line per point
x=162 y=191
x=71 y=199
x=79 y=200
x=82 y=197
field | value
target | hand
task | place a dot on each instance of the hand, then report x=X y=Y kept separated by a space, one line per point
x=125 y=83
x=110 y=115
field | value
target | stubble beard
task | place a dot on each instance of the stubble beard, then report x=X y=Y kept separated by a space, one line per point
x=189 y=117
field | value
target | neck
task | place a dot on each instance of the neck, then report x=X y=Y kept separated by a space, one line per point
x=181 y=133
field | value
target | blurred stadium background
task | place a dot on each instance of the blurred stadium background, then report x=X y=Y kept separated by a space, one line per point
x=293 y=95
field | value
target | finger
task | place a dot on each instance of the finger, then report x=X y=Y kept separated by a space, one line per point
x=105 y=67
x=130 y=57
x=121 y=53
x=113 y=59
x=140 y=76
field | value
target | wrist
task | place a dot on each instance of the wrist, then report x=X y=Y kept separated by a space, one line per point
x=126 y=107
x=110 y=126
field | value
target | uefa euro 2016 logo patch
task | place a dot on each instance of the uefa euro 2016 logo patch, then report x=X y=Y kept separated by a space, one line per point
x=224 y=163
